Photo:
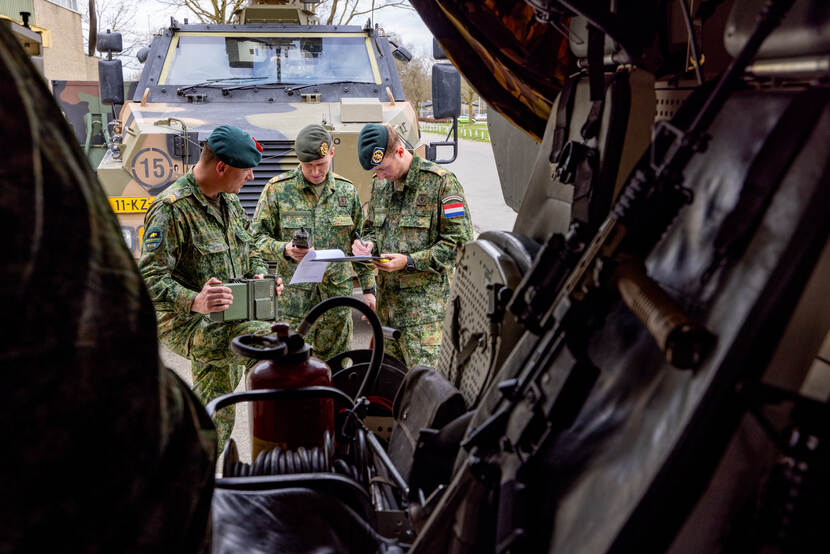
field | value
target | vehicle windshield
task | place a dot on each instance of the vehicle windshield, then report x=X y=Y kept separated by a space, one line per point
x=203 y=57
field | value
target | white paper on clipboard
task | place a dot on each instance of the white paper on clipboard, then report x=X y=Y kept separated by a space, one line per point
x=308 y=272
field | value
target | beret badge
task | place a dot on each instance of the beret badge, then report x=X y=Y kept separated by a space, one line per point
x=377 y=155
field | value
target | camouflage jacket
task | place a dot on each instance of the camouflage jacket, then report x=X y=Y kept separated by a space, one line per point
x=426 y=217
x=186 y=242
x=106 y=449
x=289 y=202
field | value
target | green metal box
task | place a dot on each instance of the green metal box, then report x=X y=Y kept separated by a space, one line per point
x=239 y=309
x=252 y=299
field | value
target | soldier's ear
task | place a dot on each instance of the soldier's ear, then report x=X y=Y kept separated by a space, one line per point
x=220 y=167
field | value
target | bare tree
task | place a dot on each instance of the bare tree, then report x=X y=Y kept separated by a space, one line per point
x=92 y=29
x=117 y=16
x=469 y=96
x=416 y=80
x=209 y=11
x=343 y=12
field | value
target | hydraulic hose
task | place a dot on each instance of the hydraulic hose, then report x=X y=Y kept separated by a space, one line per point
x=377 y=333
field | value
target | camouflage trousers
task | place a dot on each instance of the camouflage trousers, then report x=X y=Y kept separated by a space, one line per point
x=418 y=345
x=216 y=368
x=331 y=334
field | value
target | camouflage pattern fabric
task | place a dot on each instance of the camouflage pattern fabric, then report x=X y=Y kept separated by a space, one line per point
x=411 y=217
x=289 y=202
x=186 y=242
x=216 y=369
x=418 y=344
x=106 y=449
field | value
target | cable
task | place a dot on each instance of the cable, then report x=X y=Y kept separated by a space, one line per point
x=692 y=42
x=282 y=461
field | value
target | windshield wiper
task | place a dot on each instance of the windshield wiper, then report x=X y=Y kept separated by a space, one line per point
x=333 y=83
x=266 y=84
x=216 y=83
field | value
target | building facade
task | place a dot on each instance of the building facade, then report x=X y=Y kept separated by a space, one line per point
x=59 y=23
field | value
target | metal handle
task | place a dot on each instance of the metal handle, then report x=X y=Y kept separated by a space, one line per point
x=258 y=347
x=685 y=342
x=390 y=333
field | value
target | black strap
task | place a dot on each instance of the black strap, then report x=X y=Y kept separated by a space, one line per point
x=764 y=176
x=596 y=78
x=563 y=116
x=584 y=186
x=594 y=185
x=619 y=110
x=596 y=67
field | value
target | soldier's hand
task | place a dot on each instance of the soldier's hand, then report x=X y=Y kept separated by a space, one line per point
x=396 y=262
x=296 y=254
x=372 y=301
x=361 y=250
x=212 y=298
x=280 y=286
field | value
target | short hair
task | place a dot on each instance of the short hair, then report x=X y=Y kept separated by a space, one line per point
x=208 y=155
x=392 y=138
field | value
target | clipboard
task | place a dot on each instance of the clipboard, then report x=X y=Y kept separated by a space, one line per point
x=352 y=259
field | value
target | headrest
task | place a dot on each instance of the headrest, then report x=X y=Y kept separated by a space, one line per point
x=805 y=30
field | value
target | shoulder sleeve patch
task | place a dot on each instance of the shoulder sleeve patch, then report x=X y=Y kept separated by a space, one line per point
x=153 y=238
x=452 y=206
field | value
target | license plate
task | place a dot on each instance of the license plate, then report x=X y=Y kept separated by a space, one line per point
x=130 y=205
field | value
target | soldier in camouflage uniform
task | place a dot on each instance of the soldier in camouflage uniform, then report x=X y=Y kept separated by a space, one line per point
x=418 y=218
x=106 y=450
x=328 y=207
x=197 y=236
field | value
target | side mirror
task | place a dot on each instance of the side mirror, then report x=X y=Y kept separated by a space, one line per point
x=437 y=50
x=109 y=42
x=446 y=91
x=446 y=102
x=142 y=54
x=111 y=81
x=110 y=75
x=402 y=54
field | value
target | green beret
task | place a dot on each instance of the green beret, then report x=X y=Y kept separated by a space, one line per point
x=235 y=147
x=371 y=145
x=313 y=142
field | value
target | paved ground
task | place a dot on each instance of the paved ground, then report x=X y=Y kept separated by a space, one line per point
x=475 y=168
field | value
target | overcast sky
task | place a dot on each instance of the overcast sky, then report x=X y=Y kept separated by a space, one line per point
x=405 y=23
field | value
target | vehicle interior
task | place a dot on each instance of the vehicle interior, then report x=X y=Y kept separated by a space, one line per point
x=641 y=363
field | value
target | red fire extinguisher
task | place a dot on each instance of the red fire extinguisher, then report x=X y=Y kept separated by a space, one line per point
x=289 y=423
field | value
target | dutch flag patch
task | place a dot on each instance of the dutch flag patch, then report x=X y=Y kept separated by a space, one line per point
x=455 y=209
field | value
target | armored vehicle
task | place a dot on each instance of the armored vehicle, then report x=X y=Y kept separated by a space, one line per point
x=272 y=73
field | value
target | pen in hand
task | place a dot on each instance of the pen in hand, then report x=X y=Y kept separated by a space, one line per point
x=363 y=244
